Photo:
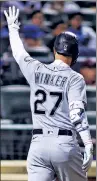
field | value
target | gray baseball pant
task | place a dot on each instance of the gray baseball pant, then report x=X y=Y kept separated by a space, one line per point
x=52 y=156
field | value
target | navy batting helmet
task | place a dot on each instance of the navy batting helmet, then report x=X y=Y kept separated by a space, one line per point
x=66 y=44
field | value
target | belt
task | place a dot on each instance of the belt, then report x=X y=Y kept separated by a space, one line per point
x=61 y=132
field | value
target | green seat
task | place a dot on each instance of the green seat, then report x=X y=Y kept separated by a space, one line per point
x=91 y=104
x=91 y=117
x=15 y=102
x=91 y=91
x=91 y=98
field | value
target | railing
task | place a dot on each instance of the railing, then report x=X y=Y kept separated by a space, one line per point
x=15 y=140
x=27 y=127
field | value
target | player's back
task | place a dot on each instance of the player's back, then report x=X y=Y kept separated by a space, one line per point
x=49 y=95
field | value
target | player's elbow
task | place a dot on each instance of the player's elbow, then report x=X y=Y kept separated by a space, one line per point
x=79 y=119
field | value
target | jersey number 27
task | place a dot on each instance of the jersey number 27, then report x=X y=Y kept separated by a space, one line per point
x=58 y=95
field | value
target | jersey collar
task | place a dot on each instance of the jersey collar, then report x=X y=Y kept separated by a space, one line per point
x=61 y=63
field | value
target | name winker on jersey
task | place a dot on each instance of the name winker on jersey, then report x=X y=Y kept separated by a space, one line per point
x=48 y=79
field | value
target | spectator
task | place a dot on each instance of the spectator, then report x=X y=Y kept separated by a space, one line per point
x=37 y=18
x=60 y=6
x=87 y=67
x=57 y=5
x=4 y=36
x=57 y=28
x=33 y=5
x=86 y=35
x=3 y=29
x=89 y=73
x=24 y=6
x=33 y=36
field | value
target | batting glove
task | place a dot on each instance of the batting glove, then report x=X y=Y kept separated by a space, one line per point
x=12 y=18
x=88 y=157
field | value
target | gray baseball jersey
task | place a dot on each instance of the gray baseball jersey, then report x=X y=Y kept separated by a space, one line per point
x=53 y=87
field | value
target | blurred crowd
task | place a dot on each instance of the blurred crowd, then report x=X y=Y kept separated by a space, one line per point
x=41 y=22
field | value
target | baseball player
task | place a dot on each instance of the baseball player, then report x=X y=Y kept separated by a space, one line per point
x=58 y=100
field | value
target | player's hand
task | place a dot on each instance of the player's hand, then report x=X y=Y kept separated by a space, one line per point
x=12 y=18
x=88 y=157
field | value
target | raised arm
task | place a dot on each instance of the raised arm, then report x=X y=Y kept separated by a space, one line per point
x=19 y=53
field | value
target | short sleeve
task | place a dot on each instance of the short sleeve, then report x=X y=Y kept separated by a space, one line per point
x=77 y=90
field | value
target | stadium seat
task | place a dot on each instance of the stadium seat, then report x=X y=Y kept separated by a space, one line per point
x=89 y=16
x=4 y=41
x=91 y=117
x=43 y=56
x=50 y=15
x=91 y=98
x=18 y=97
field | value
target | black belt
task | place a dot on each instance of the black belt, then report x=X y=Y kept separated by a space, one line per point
x=61 y=132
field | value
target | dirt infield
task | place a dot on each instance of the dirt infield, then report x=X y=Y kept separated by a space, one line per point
x=16 y=171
